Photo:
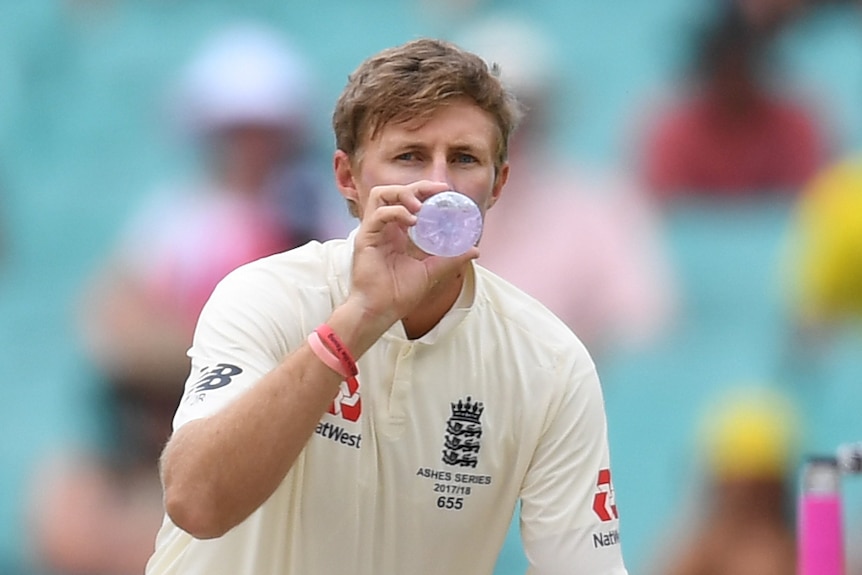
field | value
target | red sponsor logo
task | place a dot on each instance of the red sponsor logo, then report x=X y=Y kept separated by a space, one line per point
x=347 y=403
x=603 y=502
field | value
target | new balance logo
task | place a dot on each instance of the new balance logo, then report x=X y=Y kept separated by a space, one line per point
x=216 y=377
x=211 y=378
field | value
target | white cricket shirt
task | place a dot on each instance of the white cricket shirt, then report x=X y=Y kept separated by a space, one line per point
x=419 y=470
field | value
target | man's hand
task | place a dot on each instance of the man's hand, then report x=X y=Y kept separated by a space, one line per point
x=390 y=275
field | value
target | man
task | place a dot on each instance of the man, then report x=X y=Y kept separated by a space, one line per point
x=743 y=522
x=469 y=397
x=730 y=134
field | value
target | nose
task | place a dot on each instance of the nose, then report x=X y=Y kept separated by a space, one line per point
x=440 y=171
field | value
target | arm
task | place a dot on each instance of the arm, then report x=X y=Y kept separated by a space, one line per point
x=217 y=470
x=568 y=510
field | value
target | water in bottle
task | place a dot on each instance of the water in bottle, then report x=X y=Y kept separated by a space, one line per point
x=448 y=224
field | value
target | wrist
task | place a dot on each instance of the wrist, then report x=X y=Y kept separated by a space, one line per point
x=357 y=326
x=334 y=348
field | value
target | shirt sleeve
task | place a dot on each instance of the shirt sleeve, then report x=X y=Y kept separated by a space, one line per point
x=569 y=517
x=240 y=337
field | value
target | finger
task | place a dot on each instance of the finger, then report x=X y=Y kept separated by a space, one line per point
x=425 y=188
x=377 y=220
x=408 y=195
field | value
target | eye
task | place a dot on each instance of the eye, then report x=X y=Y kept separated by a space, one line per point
x=464 y=158
x=407 y=156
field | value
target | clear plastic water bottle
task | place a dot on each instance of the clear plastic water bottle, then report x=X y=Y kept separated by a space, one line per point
x=449 y=224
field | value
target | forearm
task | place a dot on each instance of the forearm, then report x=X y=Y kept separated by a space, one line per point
x=218 y=470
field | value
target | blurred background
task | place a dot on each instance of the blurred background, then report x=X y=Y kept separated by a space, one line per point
x=689 y=174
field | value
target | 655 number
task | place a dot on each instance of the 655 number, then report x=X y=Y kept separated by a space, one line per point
x=455 y=503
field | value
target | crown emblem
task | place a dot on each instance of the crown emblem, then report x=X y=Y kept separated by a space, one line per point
x=463 y=433
x=467 y=410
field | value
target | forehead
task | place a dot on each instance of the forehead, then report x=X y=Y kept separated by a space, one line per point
x=460 y=123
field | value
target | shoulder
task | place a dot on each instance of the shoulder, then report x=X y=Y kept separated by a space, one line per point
x=302 y=279
x=309 y=266
x=268 y=305
x=525 y=323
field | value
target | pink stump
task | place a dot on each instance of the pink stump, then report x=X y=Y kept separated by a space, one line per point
x=821 y=534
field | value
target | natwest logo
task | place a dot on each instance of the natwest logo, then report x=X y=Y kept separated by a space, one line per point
x=347 y=403
x=603 y=502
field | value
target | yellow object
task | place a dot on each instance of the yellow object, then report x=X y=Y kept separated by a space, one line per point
x=751 y=433
x=828 y=245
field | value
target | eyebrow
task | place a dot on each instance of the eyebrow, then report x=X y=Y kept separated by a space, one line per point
x=466 y=148
x=459 y=147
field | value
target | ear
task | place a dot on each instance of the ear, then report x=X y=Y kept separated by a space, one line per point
x=499 y=182
x=345 y=177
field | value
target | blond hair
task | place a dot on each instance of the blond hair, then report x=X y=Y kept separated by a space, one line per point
x=410 y=82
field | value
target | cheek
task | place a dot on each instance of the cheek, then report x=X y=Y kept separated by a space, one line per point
x=479 y=185
x=386 y=175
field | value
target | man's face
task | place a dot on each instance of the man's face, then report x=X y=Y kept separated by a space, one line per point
x=456 y=145
x=251 y=149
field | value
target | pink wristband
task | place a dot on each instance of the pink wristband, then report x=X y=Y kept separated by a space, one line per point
x=337 y=347
x=324 y=355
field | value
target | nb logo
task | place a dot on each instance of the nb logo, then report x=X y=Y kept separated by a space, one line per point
x=216 y=377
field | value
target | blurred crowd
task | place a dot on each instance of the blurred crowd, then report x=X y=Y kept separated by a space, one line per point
x=732 y=130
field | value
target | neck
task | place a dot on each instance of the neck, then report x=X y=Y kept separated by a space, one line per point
x=434 y=306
